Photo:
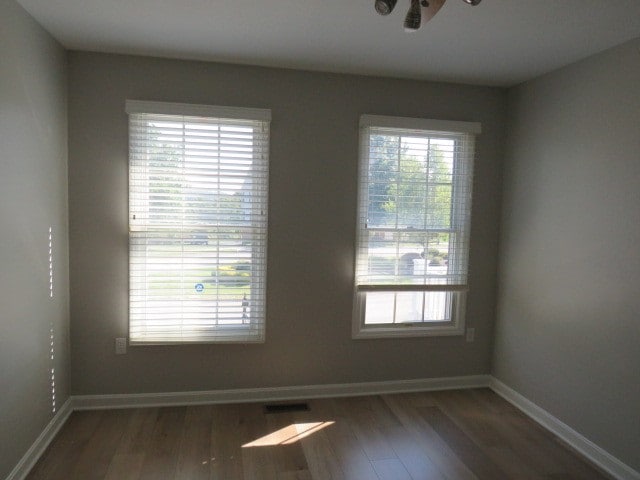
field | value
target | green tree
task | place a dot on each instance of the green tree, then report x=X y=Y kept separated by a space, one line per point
x=414 y=189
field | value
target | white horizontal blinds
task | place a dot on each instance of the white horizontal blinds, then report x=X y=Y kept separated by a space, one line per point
x=414 y=210
x=198 y=227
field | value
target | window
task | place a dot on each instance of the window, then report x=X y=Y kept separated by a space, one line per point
x=414 y=210
x=198 y=178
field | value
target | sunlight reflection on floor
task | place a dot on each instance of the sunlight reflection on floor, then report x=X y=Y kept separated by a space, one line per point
x=289 y=434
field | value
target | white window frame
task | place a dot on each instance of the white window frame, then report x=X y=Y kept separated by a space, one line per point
x=253 y=331
x=457 y=293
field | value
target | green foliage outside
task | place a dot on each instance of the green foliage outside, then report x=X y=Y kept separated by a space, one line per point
x=411 y=190
x=235 y=274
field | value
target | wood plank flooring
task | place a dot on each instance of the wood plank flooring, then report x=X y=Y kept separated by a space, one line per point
x=450 y=435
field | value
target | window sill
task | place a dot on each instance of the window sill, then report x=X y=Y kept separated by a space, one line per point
x=360 y=333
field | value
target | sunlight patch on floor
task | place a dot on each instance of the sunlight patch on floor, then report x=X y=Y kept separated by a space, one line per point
x=289 y=434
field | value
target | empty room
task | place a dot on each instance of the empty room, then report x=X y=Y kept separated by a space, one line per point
x=365 y=239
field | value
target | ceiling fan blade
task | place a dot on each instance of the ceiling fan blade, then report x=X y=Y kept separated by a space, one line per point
x=431 y=10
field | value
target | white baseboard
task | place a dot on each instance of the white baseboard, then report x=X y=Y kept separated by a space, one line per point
x=586 y=447
x=38 y=447
x=90 y=402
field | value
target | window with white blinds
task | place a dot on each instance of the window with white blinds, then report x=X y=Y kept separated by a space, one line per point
x=198 y=179
x=415 y=182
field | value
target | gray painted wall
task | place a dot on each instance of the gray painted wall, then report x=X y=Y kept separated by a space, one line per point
x=314 y=150
x=33 y=197
x=568 y=328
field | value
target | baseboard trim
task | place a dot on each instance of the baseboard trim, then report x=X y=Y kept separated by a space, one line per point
x=586 y=447
x=38 y=447
x=92 y=402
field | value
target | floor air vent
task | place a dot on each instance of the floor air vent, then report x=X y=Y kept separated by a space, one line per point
x=286 y=407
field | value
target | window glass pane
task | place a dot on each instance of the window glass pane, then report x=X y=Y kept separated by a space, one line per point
x=407 y=307
x=437 y=265
x=411 y=190
x=415 y=307
x=383 y=176
x=382 y=202
x=439 y=211
x=437 y=306
x=406 y=257
x=380 y=308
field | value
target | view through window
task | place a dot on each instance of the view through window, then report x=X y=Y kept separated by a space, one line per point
x=198 y=223
x=413 y=228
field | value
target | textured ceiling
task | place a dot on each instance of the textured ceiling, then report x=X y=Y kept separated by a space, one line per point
x=499 y=42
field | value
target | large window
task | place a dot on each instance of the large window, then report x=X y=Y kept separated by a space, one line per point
x=414 y=210
x=197 y=223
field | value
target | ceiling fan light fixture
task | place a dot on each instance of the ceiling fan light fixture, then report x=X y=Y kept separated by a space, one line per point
x=385 y=7
x=413 y=18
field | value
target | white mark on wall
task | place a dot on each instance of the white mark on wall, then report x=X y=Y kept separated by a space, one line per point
x=51 y=331
x=50 y=262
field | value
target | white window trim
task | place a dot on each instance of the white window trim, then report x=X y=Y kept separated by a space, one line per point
x=445 y=126
x=456 y=326
x=191 y=110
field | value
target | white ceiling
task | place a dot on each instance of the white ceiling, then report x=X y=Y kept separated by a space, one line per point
x=499 y=42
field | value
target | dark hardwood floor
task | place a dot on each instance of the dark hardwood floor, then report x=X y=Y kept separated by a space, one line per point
x=454 y=435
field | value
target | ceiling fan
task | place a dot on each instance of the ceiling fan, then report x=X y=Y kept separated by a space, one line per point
x=417 y=10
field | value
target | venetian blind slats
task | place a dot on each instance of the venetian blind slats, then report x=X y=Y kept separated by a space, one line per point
x=198 y=223
x=414 y=208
